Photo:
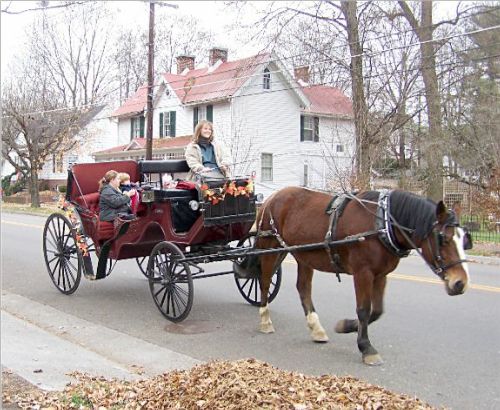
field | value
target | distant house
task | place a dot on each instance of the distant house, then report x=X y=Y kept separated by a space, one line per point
x=276 y=125
x=98 y=134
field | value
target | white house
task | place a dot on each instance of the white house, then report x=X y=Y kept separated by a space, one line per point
x=99 y=134
x=278 y=126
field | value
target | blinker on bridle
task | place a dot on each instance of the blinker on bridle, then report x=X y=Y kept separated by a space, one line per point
x=440 y=240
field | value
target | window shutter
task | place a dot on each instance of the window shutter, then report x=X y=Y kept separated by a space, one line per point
x=131 y=129
x=316 y=129
x=161 y=125
x=302 y=128
x=142 y=119
x=210 y=113
x=172 y=123
x=195 y=117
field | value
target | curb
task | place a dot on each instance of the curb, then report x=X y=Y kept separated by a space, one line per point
x=42 y=345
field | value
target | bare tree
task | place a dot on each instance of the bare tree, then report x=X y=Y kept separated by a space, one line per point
x=33 y=129
x=74 y=49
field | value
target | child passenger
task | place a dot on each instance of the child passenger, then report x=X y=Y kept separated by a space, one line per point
x=126 y=186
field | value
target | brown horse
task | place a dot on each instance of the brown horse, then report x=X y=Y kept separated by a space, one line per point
x=296 y=216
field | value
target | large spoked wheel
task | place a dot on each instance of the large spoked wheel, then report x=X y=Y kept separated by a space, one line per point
x=142 y=262
x=250 y=287
x=63 y=258
x=170 y=282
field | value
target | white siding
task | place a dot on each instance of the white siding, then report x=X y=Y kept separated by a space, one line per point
x=328 y=168
x=100 y=134
x=269 y=121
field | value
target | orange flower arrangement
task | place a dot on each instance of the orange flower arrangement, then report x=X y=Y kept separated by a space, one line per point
x=216 y=195
x=69 y=211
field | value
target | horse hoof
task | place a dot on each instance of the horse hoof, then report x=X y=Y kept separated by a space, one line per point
x=267 y=329
x=320 y=338
x=372 y=360
x=346 y=326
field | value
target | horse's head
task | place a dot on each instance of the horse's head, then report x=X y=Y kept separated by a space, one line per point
x=444 y=249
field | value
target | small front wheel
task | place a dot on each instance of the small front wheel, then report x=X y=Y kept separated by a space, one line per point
x=170 y=281
x=250 y=287
x=63 y=258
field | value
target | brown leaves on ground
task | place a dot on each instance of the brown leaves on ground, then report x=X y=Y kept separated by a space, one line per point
x=242 y=384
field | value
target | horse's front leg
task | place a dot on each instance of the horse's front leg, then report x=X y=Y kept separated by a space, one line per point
x=267 y=265
x=363 y=284
x=304 y=286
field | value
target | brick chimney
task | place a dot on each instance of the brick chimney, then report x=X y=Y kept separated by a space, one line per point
x=184 y=62
x=302 y=73
x=217 y=53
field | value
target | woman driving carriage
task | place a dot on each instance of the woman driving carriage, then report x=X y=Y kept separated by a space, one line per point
x=206 y=157
x=112 y=202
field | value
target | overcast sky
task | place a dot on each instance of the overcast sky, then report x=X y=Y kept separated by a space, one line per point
x=214 y=16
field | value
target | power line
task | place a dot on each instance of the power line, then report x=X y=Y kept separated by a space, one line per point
x=279 y=71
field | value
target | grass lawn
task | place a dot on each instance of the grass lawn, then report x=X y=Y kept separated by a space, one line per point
x=45 y=209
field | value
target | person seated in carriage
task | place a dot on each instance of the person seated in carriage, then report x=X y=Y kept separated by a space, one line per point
x=126 y=186
x=112 y=202
x=205 y=156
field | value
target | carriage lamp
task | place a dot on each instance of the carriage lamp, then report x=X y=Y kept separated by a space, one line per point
x=148 y=196
x=194 y=205
x=259 y=197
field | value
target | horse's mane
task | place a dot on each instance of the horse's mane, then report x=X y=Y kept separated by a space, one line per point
x=413 y=212
x=409 y=210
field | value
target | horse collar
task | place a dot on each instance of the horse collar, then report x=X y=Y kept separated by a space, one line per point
x=384 y=226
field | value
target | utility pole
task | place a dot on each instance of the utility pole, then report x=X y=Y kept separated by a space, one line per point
x=149 y=118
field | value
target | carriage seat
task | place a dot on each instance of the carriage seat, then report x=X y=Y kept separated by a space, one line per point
x=89 y=201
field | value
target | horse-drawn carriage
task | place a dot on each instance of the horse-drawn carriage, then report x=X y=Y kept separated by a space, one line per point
x=175 y=230
x=172 y=232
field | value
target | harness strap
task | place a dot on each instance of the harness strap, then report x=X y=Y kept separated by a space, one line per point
x=329 y=237
x=384 y=226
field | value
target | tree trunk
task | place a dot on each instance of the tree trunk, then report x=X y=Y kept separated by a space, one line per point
x=433 y=144
x=363 y=160
x=35 y=195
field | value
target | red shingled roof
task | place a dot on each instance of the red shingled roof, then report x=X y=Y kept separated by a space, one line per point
x=140 y=143
x=134 y=104
x=328 y=100
x=202 y=84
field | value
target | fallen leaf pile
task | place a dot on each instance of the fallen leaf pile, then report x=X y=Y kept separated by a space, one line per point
x=242 y=384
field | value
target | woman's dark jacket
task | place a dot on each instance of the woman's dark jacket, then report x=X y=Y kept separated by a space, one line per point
x=112 y=203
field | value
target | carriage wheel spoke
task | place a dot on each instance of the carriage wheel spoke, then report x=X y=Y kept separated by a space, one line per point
x=67 y=282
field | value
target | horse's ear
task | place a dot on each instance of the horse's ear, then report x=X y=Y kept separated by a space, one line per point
x=441 y=212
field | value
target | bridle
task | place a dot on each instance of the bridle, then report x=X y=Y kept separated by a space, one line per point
x=438 y=266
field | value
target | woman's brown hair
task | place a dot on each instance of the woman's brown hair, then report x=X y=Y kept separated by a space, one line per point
x=197 y=131
x=108 y=176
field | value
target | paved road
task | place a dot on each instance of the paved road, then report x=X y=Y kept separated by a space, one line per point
x=442 y=349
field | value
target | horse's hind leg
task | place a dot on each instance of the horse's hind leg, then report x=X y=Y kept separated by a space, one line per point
x=304 y=286
x=351 y=325
x=267 y=269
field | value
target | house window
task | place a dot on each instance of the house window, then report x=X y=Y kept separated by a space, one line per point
x=309 y=128
x=203 y=112
x=72 y=159
x=137 y=127
x=167 y=124
x=267 y=167
x=57 y=163
x=267 y=79
x=340 y=148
